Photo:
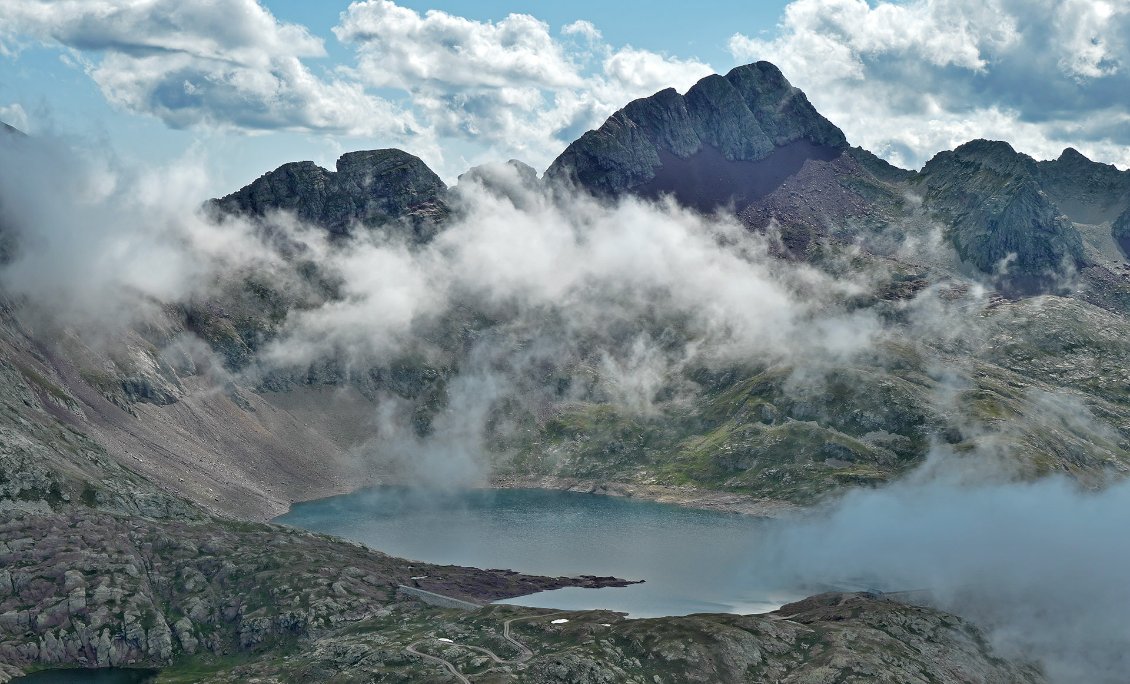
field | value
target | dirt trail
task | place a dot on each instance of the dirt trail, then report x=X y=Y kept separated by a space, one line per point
x=524 y=652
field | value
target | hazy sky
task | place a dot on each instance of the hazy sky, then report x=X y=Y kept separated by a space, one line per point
x=246 y=85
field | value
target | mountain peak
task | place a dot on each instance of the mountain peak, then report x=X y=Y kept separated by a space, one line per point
x=1001 y=216
x=705 y=147
x=370 y=187
x=1070 y=154
x=377 y=163
x=995 y=154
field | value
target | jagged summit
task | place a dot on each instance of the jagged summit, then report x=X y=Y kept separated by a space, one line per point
x=751 y=142
x=731 y=138
x=1070 y=154
x=1087 y=191
x=369 y=188
x=994 y=154
x=1002 y=220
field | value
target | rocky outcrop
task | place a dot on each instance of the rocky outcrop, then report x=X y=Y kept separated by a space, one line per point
x=1084 y=190
x=91 y=589
x=369 y=188
x=88 y=589
x=999 y=218
x=7 y=239
x=828 y=638
x=731 y=138
x=1121 y=232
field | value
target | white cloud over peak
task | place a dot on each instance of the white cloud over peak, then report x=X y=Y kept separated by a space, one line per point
x=507 y=88
x=912 y=78
x=512 y=83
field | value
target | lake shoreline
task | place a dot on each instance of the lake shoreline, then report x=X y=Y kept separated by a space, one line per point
x=678 y=495
x=686 y=496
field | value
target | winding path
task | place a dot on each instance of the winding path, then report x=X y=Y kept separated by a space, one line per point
x=436 y=659
x=524 y=652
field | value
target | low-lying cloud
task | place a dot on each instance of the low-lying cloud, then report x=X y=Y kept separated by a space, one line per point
x=614 y=299
x=1041 y=565
x=92 y=241
x=593 y=263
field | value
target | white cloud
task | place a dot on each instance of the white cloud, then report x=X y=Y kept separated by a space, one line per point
x=97 y=243
x=424 y=81
x=14 y=115
x=398 y=47
x=618 y=298
x=510 y=84
x=641 y=72
x=912 y=78
x=583 y=28
x=221 y=63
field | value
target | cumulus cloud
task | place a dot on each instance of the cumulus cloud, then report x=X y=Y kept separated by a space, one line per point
x=910 y=79
x=399 y=47
x=223 y=63
x=510 y=83
x=512 y=87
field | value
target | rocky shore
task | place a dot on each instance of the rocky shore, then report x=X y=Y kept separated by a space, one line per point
x=94 y=589
x=687 y=496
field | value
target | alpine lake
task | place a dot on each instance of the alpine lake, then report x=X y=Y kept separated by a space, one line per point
x=690 y=561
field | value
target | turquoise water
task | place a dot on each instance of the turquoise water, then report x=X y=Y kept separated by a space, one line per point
x=692 y=561
x=109 y=675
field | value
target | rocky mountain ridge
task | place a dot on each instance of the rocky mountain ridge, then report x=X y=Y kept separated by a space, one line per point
x=1002 y=220
x=368 y=188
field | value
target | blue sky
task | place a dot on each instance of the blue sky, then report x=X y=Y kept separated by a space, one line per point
x=245 y=85
x=683 y=29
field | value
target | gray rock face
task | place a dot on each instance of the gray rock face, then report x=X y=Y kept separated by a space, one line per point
x=1121 y=232
x=94 y=589
x=846 y=638
x=728 y=135
x=1001 y=219
x=7 y=239
x=369 y=188
x=1086 y=191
